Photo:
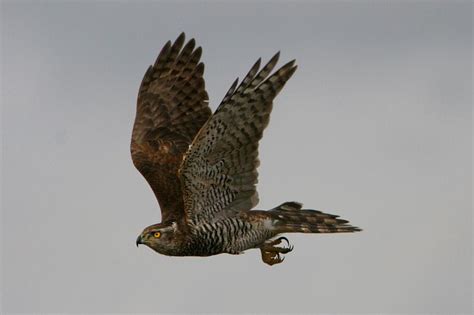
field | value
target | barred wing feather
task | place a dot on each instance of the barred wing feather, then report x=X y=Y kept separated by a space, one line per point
x=219 y=169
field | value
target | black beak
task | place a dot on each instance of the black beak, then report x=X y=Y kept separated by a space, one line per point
x=139 y=240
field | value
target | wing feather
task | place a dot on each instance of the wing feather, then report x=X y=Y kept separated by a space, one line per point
x=219 y=169
x=172 y=106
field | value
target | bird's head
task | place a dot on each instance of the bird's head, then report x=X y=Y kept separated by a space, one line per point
x=160 y=237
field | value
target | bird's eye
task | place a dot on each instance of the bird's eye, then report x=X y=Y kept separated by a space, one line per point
x=157 y=234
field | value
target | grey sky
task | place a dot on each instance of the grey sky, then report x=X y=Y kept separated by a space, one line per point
x=374 y=126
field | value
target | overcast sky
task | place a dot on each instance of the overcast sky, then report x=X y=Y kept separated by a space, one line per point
x=375 y=126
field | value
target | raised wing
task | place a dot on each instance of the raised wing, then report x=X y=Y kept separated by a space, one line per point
x=219 y=170
x=172 y=106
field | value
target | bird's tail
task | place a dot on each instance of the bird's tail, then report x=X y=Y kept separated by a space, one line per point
x=290 y=217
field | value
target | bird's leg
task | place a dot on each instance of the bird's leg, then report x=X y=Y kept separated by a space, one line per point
x=271 y=252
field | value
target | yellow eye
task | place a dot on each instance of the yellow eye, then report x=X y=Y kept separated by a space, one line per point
x=157 y=234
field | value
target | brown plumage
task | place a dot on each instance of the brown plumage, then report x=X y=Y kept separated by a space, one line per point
x=172 y=106
x=203 y=168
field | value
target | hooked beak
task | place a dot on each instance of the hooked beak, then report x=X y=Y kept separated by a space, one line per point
x=139 y=240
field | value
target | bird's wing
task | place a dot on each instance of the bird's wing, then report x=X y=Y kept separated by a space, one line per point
x=219 y=169
x=172 y=106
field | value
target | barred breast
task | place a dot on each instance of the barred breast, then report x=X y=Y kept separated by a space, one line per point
x=227 y=235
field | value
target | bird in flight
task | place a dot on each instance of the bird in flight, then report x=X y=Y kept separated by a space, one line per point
x=202 y=167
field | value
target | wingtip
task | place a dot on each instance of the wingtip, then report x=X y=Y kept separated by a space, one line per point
x=291 y=67
x=198 y=51
x=180 y=40
x=255 y=67
x=199 y=68
x=163 y=52
x=235 y=82
x=277 y=55
x=182 y=36
x=275 y=58
x=290 y=63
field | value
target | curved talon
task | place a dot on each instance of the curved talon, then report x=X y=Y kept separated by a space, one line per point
x=288 y=248
x=283 y=238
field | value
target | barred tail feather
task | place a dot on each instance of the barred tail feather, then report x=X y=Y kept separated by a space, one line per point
x=290 y=217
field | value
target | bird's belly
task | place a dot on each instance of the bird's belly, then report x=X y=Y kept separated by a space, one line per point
x=202 y=245
x=230 y=235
